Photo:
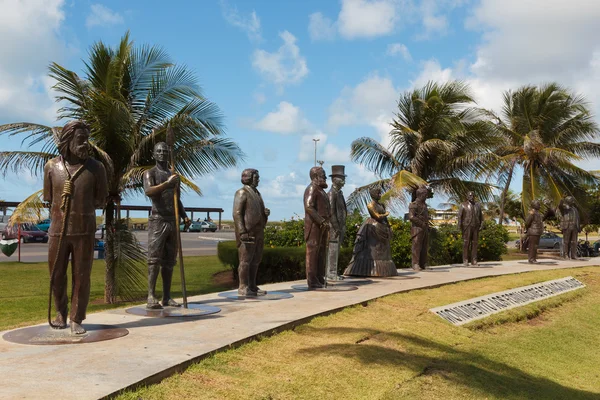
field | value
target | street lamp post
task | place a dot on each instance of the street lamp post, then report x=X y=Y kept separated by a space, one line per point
x=316 y=140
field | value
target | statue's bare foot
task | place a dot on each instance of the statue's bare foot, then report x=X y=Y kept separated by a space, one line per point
x=170 y=303
x=77 y=329
x=59 y=322
x=153 y=303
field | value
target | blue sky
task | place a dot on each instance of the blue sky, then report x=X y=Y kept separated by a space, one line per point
x=285 y=72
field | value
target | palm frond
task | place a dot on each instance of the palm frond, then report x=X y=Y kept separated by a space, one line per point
x=17 y=161
x=29 y=210
x=129 y=261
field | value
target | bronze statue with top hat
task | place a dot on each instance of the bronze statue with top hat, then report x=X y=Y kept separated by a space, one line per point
x=339 y=213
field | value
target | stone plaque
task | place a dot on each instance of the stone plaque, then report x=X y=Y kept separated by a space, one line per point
x=480 y=307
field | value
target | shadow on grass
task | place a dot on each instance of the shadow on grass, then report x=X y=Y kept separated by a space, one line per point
x=468 y=369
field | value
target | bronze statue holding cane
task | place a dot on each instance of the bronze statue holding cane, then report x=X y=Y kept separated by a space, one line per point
x=161 y=184
x=75 y=185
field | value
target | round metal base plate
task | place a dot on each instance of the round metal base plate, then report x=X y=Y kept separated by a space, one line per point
x=45 y=335
x=539 y=263
x=398 y=278
x=350 y=280
x=269 y=296
x=329 y=288
x=193 y=310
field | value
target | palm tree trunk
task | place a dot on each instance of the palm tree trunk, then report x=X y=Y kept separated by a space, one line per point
x=504 y=192
x=110 y=295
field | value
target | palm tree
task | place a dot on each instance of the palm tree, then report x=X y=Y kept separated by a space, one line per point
x=436 y=139
x=545 y=130
x=129 y=96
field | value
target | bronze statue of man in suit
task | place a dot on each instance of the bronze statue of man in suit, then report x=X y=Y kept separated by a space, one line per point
x=250 y=218
x=160 y=185
x=569 y=225
x=418 y=215
x=316 y=227
x=339 y=213
x=534 y=226
x=75 y=185
x=470 y=222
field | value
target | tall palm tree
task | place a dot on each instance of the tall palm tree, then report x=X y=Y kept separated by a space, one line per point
x=436 y=139
x=129 y=96
x=545 y=129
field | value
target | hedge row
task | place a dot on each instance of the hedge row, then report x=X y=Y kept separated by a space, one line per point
x=284 y=255
x=279 y=264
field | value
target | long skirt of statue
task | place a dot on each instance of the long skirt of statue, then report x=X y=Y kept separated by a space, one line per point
x=372 y=255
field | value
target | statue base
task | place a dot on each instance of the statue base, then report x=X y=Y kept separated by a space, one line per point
x=269 y=296
x=539 y=263
x=398 y=278
x=193 y=310
x=45 y=335
x=330 y=288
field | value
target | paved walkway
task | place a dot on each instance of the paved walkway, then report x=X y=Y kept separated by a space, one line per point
x=156 y=348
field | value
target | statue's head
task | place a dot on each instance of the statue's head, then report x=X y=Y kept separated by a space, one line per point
x=74 y=139
x=422 y=193
x=471 y=197
x=375 y=193
x=161 y=152
x=338 y=176
x=250 y=177
x=317 y=175
x=570 y=200
x=535 y=204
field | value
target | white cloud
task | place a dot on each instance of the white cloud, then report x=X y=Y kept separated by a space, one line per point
x=249 y=24
x=531 y=42
x=102 y=16
x=284 y=66
x=287 y=119
x=371 y=102
x=289 y=186
x=366 y=18
x=395 y=49
x=321 y=27
x=433 y=22
x=327 y=152
x=24 y=86
x=260 y=97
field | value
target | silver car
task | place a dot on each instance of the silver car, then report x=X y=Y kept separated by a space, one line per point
x=550 y=240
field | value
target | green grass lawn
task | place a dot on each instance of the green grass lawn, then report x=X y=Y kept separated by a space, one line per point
x=395 y=348
x=24 y=288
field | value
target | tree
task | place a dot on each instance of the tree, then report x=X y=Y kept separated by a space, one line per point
x=546 y=130
x=129 y=96
x=436 y=139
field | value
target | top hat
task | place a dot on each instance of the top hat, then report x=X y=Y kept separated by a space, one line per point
x=337 y=170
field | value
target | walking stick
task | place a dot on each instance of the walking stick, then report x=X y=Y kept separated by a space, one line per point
x=170 y=142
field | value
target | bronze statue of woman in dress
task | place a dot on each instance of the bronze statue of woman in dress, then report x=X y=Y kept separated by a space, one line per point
x=372 y=255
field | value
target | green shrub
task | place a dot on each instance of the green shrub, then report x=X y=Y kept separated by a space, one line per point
x=279 y=264
x=286 y=234
x=401 y=242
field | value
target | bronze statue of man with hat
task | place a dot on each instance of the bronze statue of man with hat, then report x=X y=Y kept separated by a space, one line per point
x=339 y=213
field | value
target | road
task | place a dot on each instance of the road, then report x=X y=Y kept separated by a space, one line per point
x=194 y=244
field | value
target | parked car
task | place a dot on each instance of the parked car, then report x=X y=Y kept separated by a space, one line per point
x=44 y=225
x=29 y=233
x=548 y=240
x=199 y=226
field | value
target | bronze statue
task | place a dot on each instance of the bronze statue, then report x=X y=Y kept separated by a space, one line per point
x=250 y=218
x=316 y=227
x=74 y=185
x=569 y=225
x=470 y=222
x=418 y=215
x=160 y=185
x=339 y=213
x=534 y=227
x=372 y=255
